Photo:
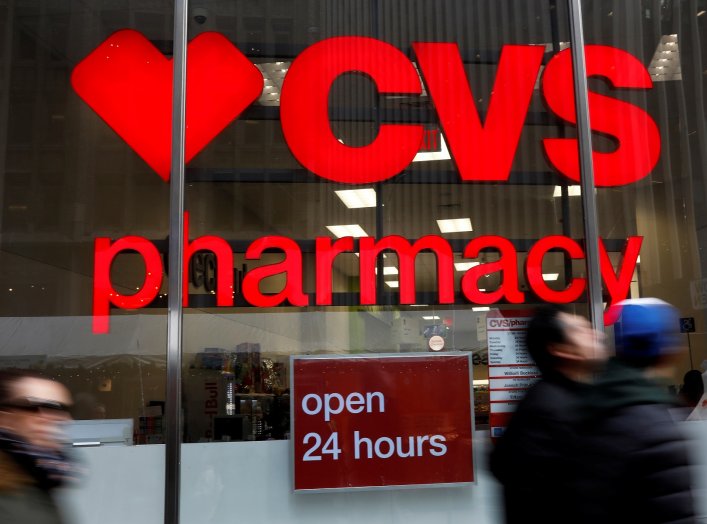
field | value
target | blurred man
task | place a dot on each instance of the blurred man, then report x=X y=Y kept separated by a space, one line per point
x=634 y=463
x=533 y=458
x=32 y=463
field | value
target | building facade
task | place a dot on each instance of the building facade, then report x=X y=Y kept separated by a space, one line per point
x=349 y=177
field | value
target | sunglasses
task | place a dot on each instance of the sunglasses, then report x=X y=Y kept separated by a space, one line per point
x=36 y=405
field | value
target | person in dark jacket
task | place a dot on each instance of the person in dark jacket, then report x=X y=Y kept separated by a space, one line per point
x=634 y=464
x=532 y=459
x=32 y=463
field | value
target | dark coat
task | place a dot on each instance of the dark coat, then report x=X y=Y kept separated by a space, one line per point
x=634 y=463
x=21 y=500
x=533 y=458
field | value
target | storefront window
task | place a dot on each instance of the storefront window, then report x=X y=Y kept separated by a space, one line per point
x=362 y=177
x=257 y=184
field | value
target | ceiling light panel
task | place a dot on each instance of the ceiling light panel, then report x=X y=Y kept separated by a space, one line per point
x=357 y=198
x=349 y=230
x=273 y=76
x=464 y=266
x=665 y=64
x=571 y=191
x=455 y=225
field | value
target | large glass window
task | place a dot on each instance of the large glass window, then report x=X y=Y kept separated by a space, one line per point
x=666 y=207
x=253 y=183
x=299 y=244
x=66 y=179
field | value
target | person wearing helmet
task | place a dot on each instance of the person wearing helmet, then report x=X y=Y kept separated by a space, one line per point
x=632 y=461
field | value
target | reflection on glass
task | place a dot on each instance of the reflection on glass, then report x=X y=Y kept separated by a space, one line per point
x=247 y=187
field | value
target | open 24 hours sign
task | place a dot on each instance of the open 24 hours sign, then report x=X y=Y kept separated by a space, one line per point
x=375 y=421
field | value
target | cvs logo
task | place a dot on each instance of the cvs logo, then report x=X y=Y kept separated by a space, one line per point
x=127 y=81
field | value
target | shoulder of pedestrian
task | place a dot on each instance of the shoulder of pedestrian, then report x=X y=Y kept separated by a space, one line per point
x=621 y=386
x=12 y=476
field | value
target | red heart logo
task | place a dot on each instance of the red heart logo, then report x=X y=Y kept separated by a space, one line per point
x=128 y=82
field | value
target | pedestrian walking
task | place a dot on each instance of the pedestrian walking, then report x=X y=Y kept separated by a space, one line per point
x=634 y=464
x=531 y=459
x=32 y=462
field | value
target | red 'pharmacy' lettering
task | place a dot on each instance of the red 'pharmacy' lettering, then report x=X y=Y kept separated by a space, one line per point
x=617 y=284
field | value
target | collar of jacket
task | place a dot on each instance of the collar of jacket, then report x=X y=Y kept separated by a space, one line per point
x=620 y=386
x=12 y=476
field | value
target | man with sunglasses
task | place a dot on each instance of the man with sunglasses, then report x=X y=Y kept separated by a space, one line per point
x=32 y=463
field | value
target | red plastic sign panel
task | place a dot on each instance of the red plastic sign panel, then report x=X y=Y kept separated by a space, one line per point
x=381 y=421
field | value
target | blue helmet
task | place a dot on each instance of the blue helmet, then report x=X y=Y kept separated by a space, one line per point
x=646 y=328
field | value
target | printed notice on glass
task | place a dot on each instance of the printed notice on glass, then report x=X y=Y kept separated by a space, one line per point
x=511 y=370
x=381 y=421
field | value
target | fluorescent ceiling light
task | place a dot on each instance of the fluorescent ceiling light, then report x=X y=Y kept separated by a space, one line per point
x=463 y=266
x=350 y=230
x=430 y=317
x=273 y=75
x=357 y=198
x=701 y=13
x=455 y=225
x=481 y=382
x=480 y=308
x=665 y=64
x=551 y=276
x=418 y=305
x=392 y=283
x=571 y=191
x=427 y=156
x=389 y=270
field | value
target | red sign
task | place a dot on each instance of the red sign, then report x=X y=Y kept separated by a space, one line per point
x=616 y=282
x=127 y=81
x=364 y=422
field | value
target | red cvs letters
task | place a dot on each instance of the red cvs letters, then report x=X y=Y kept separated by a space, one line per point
x=127 y=82
x=481 y=151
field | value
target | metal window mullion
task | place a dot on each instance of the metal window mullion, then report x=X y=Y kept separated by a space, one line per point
x=589 y=205
x=173 y=405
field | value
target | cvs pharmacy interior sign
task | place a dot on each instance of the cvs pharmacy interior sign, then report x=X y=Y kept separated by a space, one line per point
x=128 y=82
x=616 y=282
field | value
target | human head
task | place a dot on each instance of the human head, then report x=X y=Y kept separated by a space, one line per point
x=559 y=341
x=645 y=331
x=33 y=407
x=693 y=387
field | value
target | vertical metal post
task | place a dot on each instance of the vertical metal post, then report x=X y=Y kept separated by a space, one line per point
x=5 y=89
x=589 y=205
x=173 y=405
